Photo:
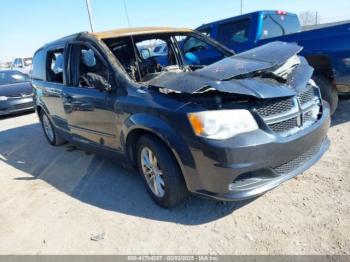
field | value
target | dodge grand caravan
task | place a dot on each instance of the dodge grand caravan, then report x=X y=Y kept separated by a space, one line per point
x=230 y=129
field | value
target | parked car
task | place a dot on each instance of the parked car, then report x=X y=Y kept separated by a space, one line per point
x=231 y=130
x=16 y=92
x=326 y=49
x=22 y=64
x=5 y=65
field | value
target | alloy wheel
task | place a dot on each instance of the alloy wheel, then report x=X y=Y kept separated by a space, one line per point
x=152 y=172
x=48 y=128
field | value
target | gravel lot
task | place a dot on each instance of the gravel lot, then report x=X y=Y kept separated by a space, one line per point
x=53 y=200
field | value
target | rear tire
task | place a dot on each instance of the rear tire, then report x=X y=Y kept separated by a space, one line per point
x=50 y=131
x=328 y=91
x=161 y=173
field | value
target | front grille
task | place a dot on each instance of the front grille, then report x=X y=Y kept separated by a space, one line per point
x=284 y=126
x=287 y=116
x=274 y=107
x=19 y=96
x=307 y=96
x=297 y=162
x=23 y=106
x=308 y=117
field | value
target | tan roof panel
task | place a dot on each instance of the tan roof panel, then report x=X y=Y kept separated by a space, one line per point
x=138 y=31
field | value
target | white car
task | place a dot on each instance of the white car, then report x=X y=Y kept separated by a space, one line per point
x=22 y=64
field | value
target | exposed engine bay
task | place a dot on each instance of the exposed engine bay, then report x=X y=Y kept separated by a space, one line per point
x=190 y=64
x=272 y=80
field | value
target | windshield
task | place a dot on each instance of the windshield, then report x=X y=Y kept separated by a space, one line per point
x=28 y=61
x=180 y=52
x=12 y=77
x=275 y=25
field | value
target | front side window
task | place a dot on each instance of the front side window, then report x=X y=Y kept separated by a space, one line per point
x=234 y=33
x=93 y=73
x=138 y=60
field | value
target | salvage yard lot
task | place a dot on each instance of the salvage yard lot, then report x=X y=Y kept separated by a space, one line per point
x=53 y=200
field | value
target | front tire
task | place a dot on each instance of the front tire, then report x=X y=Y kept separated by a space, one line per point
x=328 y=91
x=49 y=130
x=161 y=173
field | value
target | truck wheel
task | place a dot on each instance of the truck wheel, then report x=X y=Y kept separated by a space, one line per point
x=49 y=130
x=161 y=173
x=328 y=91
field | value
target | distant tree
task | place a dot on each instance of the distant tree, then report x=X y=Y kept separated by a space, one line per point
x=308 y=18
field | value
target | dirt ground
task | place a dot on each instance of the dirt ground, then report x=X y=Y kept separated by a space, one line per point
x=54 y=200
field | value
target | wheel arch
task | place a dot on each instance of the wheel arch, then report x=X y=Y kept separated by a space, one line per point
x=144 y=124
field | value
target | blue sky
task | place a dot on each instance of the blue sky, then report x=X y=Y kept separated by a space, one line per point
x=25 y=25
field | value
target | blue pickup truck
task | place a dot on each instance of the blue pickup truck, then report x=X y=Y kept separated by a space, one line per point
x=326 y=49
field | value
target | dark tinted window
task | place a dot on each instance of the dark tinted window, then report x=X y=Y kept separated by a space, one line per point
x=157 y=49
x=12 y=77
x=234 y=32
x=278 y=25
x=39 y=63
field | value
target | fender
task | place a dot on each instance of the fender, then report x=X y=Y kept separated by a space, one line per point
x=158 y=127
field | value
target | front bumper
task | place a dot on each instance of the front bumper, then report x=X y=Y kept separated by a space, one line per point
x=251 y=164
x=18 y=105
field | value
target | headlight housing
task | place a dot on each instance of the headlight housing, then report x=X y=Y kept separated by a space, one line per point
x=222 y=124
x=3 y=98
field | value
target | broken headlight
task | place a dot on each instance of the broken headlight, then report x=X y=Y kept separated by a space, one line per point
x=222 y=124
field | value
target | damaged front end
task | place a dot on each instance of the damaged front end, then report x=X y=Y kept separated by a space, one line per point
x=272 y=81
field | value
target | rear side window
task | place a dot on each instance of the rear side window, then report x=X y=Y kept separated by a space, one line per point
x=279 y=25
x=55 y=66
x=234 y=33
x=39 y=66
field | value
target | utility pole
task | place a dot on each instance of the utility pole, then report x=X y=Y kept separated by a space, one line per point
x=88 y=6
x=241 y=7
x=316 y=17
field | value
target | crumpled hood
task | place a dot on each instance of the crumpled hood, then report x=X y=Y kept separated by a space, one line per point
x=233 y=74
x=17 y=89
